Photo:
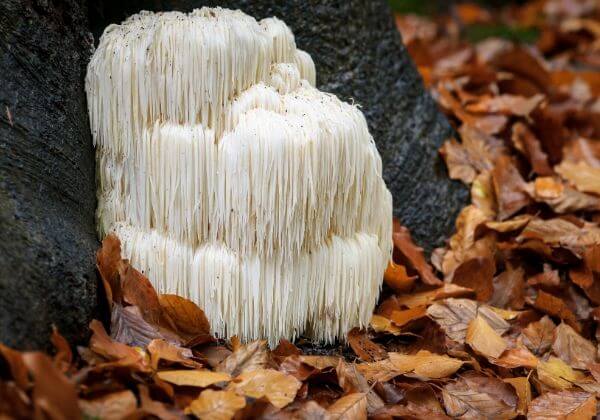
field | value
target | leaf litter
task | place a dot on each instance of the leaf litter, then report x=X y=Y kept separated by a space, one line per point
x=502 y=322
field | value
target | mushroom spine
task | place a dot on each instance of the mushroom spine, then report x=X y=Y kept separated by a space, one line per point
x=231 y=180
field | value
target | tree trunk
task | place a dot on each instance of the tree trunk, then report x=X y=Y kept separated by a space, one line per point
x=47 y=188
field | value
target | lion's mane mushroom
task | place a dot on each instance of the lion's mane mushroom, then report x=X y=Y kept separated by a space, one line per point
x=230 y=179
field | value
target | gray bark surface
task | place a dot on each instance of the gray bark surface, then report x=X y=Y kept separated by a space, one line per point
x=47 y=188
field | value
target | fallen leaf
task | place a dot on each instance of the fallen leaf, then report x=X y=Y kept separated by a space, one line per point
x=554 y=306
x=128 y=326
x=483 y=339
x=161 y=350
x=18 y=370
x=425 y=365
x=523 y=389
x=103 y=345
x=138 y=291
x=149 y=407
x=413 y=256
x=114 y=406
x=217 y=405
x=280 y=389
x=187 y=317
x=476 y=274
x=349 y=407
x=320 y=362
x=584 y=177
x=506 y=104
x=480 y=397
x=573 y=348
x=454 y=316
x=557 y=374
x=396 y=277
x=516 y=358
x=381 y=324
x=108 y=259
x=509 y=288
x=197 y=378
x=560 y=198
x=509 y=187
x=246 y=358
x=425 y=298
x=53 y=395
x=563 y=405
x=528 y=144
x=351 y=380
x=401 y=318
x=364 y=347
x=285 y=349
x=380 y=371
x=538 y=336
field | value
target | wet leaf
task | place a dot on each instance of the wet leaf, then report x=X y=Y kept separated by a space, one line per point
x=216 y=405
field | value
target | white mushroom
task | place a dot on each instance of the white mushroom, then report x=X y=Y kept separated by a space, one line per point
x=230 y=179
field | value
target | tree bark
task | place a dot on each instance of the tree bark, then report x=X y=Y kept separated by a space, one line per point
x=47 y=188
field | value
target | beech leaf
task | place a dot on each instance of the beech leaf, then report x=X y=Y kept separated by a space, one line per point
x=197 y=378
x=216 y=405
x=563 y=405
x=280 y=389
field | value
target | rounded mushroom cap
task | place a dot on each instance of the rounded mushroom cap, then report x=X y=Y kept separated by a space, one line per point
x=232 y=180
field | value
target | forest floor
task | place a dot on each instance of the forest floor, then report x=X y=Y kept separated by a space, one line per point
x=503 y=322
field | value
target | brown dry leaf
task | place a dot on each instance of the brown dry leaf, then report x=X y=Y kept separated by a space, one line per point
x=108 y=259
x=216 y=405
x=475 y=154
x=515 y=358
x=425 y=298
x=425 y=365
x=350 y=379
x=150 y=407
x=18 y=370
x=484 y=340
x=560 y=198
x=186 y=316
x=320 y=362
x=538 y=336
x=528 y=144
x=509 y=187
x=246 y=357
x=474 y=396
x=549 y=279
x=413 y=256
x=511 y=225
x=381 y=371
x=396 y=277
x=114 y=406
x=64 y=356
x=53 y=395
x=587 y=275
x=364 y=348
x=280 y=389
x=573 y=348
x=161 y=350
x=381 y=324
x=557 y=374
x=138 y=291
x=454 y=316
x=102 y=344
x=401 y=318
x=563 y=405
x=506 y=104
x=583 y=176
x=128 y=326
x=286 y=348
x=409 y=411
x=509 y=288
x=476 y=274
x=483 y=196
x=197 y=378
x=554 y=306
x=523 y=389
x=560 y=232
x=349 y=407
